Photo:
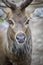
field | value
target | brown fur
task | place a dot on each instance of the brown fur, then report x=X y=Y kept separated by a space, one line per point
x=12 y=53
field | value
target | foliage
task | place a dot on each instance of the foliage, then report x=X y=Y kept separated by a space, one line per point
x=1 y=19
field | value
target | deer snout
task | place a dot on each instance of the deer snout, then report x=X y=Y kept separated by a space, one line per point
x=20 y=37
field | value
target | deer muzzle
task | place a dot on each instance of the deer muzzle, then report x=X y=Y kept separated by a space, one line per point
x=20 y=37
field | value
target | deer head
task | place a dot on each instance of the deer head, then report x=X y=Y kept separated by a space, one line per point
x=18 y=31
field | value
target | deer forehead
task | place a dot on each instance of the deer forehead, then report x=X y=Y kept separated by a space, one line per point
x=19 y=16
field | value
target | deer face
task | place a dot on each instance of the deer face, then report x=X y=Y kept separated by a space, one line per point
x=18 y=26
x=18 y=29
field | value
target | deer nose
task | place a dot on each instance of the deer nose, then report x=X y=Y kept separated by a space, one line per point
x=20 y=37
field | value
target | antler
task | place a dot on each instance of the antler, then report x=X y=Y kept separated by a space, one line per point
x=25 y=3
x=9 y=4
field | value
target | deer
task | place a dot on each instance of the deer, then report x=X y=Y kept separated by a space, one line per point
x=15 y=37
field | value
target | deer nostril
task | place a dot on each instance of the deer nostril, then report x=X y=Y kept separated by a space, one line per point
x=20 y=37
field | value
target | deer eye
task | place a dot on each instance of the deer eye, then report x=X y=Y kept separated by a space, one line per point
x=27 y=22
x=10 y=22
